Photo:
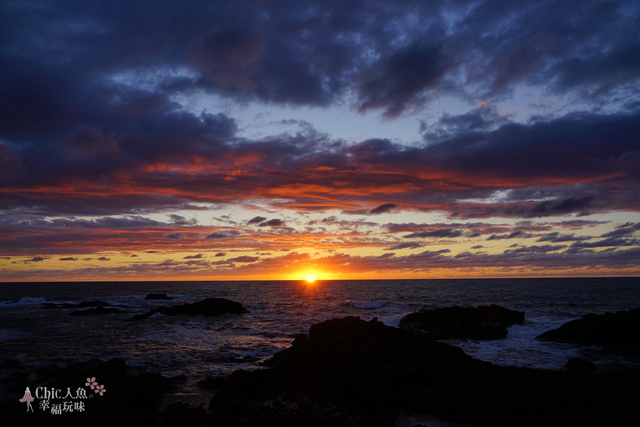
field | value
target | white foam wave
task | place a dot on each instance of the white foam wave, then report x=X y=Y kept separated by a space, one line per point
x=366 y=305
x=393 y=321
x=23 y=302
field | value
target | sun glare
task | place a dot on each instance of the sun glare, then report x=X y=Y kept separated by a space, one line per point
x=311 y=278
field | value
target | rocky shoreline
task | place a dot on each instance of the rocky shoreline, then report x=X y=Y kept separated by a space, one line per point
x=346 y=372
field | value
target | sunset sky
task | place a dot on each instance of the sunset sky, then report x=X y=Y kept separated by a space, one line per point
x=196 y=140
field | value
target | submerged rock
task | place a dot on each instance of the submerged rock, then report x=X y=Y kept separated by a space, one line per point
x=207 y=307
x=476 y=323
x=616 y=332
x=352 y=372
x=163 y=296
x=83 y=304
x=96 y=311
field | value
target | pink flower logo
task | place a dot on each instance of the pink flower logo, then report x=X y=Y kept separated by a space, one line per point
x=100 y=389
x=91 y=382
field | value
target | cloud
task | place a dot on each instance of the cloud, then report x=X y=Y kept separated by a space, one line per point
x=243 y=259
x=624 y=230
x=536 y=249
x=608 y=242
x=11 y=167
x=176 y=236
x=223 y=234
x=513 y=235
x=438 y=233
x=256 y=220
x=272 y=223
x=387 y=207
x=482 y=118
x=556 y=237
x=552 y=207
x=404 y=245
x=180 y=220
x=68 y=259
x=402 y=79
x=198 y=256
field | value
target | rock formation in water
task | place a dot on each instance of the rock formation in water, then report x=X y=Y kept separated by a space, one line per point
x=616 y=332
x=476 y=323
x=207 y=307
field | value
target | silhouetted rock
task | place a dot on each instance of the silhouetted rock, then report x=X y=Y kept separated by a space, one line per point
x=96 y=311
x=616 y=332
x=578 y=364
x=162 y=296
x=352 y=372
x=476 y=323
x=207 y=307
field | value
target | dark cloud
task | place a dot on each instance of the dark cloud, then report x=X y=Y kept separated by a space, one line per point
x=11 y=165
x=244 y=258
x=176 y=236
x=256 y=220
x=482 y=118
x=608 y=242
x=404 y=245
x=272 y=223
x=387 y=207
x=68 y=259
x=552 y=207
x=516 y=234
x=556 y=237
x=402 y=79
x=624 y=230
x=536 y=249
x=198 y=256
x=439 y=233
x=36 y=259
x=223 y=234
x=180 y=220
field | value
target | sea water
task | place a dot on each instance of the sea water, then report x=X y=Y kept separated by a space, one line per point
x=200 y=347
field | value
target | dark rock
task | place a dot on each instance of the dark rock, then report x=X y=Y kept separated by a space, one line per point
x=207 y=307
x=616 y=332
x=162 y=296
x=479 y=323
x=96 y=311
x=211 y=383
x=578 y=364
x=352 y=372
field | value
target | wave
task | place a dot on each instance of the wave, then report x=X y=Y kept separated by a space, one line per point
x=24 y=302
x=366 y=305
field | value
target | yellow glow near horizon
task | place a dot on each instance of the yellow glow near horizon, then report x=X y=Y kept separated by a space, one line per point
x=310 y=278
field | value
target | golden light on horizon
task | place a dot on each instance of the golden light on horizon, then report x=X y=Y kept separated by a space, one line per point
x=311 y=278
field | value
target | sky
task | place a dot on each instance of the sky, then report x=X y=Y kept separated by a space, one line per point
x=260 y=140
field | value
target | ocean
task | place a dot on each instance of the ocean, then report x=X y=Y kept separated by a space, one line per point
x=200 y=347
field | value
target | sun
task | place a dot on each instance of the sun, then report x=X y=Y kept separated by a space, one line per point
x=311 y=278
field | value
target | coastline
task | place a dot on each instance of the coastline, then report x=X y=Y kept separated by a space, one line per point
x=345 y=371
